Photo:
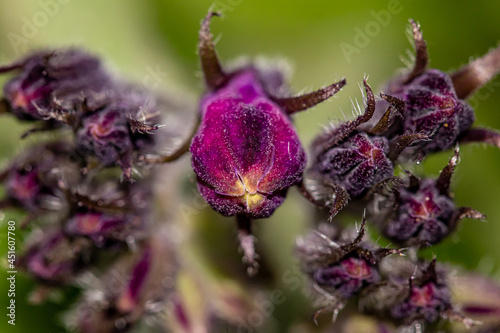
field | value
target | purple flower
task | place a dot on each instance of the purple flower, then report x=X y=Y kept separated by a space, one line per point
x=351 y=158
x=434 y=102
x=357 y=163
x=55 y=259
x=32 y=180
x=56 y=84
x=339 y=266
x=348 y=276
x=422 y=213
x=246 y=153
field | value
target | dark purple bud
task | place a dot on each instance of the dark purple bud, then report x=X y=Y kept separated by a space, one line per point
x=425 y=302
x=352 y=157
x=348 y=276
x=101 y=228
x=428 y=297
x=105 y=135
x=246 y=153
x=434 y=101
x=339 y=266
x=433 y=108
x=56 y=259
x=109 y=214
x=32 y=178
x=358 y=163
x=24 y=187
x=422 y=213
x=55 y=85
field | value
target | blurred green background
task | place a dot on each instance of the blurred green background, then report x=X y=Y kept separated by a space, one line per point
x=135 y=37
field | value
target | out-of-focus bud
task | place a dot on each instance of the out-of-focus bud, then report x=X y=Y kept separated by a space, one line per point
x=55 y=259
x=56 y=84
x=338 y=266
x=116 y=215
x=136 y=289
x=32 y=180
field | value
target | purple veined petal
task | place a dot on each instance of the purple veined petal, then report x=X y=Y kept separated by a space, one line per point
x=257 y=205
x=246 y=149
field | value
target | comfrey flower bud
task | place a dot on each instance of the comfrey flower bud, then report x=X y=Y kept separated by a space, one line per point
x=427 y=298
x=351 y=159
x=115 y=216
x=56 y=259
x=434 y=101
x=246 y=153
x=422 y=213
x=56 y=84
x=32 y=178
x=338 y=266
x=414 y=295
x=115 y=134
x=136 y=288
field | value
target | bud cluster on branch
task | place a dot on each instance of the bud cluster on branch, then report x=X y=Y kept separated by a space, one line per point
x=97 y=228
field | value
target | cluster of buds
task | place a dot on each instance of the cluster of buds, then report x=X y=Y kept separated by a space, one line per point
x=246 y=154
x=421 y=112
x=79 y=211
x=112 y=123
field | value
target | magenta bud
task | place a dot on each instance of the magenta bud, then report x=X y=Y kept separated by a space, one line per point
x=246 y=153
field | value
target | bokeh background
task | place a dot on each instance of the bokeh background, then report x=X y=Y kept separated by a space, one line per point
x=136 y=38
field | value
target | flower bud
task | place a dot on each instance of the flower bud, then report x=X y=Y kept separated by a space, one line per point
x=422 y=213
x=56 y=84
x=339 y=266
x=434 y=101
x=32 y=178
x=55 y=259
x=351 y=158
x=246 y=153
